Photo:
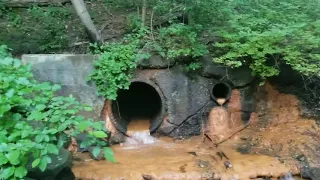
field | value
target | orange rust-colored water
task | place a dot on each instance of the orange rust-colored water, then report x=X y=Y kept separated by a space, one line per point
x=186 y=159
x=138 y=125
x=221 y=101
x=271 y=143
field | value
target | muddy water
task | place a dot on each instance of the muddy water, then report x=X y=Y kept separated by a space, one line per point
x=187 y=159
x=138 y=125
x=138 y=132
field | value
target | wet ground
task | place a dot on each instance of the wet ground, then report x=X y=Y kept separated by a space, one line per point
x=270 y=148
x=166 y=159
x=186 y=159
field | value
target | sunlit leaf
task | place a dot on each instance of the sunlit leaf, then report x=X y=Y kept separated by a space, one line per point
x=56 y=87
x=36 y=162
x=96 y=151
x=40 y=107
x=62 y=127
x=13 y=157
x=43 y=164
x=3 y=159
x=10 y=93
x=8 y=172
x=100 y=134
x=20 y=172
x=108 y=154
x=53 y=149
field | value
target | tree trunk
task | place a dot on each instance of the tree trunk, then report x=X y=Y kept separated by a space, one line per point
x=86 y=20
x=143 y=13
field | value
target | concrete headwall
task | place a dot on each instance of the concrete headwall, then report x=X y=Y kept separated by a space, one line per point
x=70 y=71
x=186 y=97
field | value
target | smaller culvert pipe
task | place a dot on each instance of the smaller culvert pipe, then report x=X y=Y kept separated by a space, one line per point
x=221 y=93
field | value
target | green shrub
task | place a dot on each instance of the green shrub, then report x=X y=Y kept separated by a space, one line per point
x=181 y=40
x=35 y=123
x=116 y=64
x=264 y=33
x=258 y=33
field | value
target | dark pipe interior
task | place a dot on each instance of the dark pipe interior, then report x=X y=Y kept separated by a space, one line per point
x=221 y=90
x=141 y=101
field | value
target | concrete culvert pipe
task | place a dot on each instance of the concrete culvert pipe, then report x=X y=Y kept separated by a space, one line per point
x=142 y=101
x=221 y=92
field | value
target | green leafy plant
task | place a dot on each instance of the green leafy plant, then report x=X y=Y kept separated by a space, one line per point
x=181 y=40
x=134 y=22
x=116 y=64
x=3 y=9
x=264 y=34
x=117 y=61
x=14 y=19
x=193 y=66
x=34 y=123
x=259 y=34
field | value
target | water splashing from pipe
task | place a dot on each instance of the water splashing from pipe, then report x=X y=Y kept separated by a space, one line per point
x=142 y=137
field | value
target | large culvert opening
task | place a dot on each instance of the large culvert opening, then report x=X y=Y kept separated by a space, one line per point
x=221 y=92
x=139 y=108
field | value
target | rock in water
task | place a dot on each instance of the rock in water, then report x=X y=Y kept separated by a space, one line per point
x=58 y=169
x=288 y=176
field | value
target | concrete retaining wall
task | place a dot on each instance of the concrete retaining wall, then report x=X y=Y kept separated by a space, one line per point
x=187 y=96
x=70 y=71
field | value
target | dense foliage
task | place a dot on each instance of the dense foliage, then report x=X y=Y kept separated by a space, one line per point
x=264 y=34
x=34 y=123
x=260 y=34
x=117 y=61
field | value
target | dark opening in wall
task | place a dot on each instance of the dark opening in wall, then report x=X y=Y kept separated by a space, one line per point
x=221 y=90
x=141 y=101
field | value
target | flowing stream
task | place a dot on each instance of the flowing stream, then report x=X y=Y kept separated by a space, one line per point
x=145 y=157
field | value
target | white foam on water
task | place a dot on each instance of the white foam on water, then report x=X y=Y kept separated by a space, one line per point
x=143 y=137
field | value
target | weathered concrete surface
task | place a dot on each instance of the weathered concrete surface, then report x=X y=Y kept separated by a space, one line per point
x=156 y=62
x=184 y=95
x=194 y=124
x=186 y=100
x=70 y=71
x=239 y=108
x=239 y=77
x=183 y=98
x=247 y=98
